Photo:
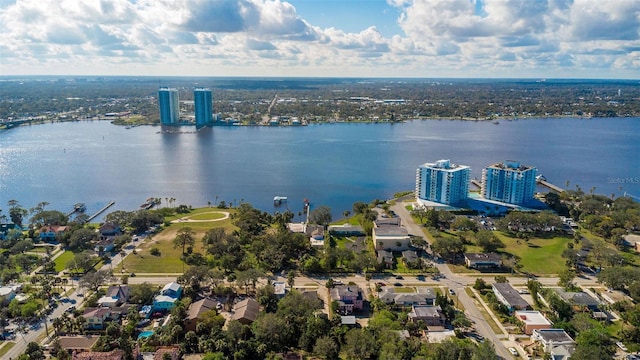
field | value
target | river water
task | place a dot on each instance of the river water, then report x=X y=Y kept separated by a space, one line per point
x=332 y=164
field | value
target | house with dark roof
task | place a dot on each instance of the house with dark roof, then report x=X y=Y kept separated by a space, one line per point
x=246 y=311
x=430 y=315
x=110 y=228
x=346 y=230
x=195 y=310
x=482 y=261
x=551 y=337
x=424 y=296
x=348 y=297
x=506 y=294
x=385 y=257
x=579 y=301
x=411 y=258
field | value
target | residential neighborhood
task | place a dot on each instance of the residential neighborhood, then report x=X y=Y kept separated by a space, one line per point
x=254 y=285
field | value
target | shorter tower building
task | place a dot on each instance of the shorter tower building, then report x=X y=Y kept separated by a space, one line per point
x=443 y=182
x=169 y=105
x=509 y=182
x=203 y=104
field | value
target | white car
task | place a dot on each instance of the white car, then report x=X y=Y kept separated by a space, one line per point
x=513 y=351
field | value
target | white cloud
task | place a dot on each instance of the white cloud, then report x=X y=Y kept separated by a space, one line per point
x=543 y=38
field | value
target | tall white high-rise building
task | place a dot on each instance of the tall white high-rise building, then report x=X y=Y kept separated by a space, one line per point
x=169 y=106
x=443 y=182
x=509 y=182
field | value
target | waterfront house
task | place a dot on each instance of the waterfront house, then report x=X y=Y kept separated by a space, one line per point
x=482 y=261
x=110 y=228
x=51 y=232
x=346 y=230
x=348 y=297
x=506 y=294
x=246 y=311
x=196 y=310
x=532 y=320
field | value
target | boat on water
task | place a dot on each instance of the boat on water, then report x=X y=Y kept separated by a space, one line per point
x=279 y=200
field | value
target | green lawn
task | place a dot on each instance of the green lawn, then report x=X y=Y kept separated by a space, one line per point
x=538 y=256
x=62 y=260
x=7 y=346
x=169 y=260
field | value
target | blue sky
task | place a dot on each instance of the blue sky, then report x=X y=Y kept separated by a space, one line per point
x=359 y=38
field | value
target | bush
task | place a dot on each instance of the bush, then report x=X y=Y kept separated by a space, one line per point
x=155 y=251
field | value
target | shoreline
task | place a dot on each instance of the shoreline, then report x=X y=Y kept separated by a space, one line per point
x=496 y=120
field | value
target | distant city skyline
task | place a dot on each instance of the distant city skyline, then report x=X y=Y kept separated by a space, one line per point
x=323 y=38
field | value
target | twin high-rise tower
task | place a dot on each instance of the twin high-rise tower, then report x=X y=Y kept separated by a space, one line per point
x=170 y=107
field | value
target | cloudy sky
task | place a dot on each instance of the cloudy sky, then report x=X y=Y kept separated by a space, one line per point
x=359 y=38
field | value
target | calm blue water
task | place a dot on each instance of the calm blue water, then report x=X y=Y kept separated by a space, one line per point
x=333 y=165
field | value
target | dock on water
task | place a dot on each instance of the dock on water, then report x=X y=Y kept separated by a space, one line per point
x=549 y=185
x=110 y=204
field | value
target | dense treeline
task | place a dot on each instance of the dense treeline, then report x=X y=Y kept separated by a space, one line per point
x=325 y=99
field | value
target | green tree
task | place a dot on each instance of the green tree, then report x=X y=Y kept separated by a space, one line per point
x=488 y=241
x=320 y=215
x=184 y=238
x=448 y=248
x=326 y=347
x=360 y=344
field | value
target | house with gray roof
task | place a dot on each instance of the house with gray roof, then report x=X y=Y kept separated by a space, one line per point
x=385 y=257
x=579 y=301
x=390 y=237
x=423 y=296
x=506 y=294
x=430 y=315
x=482 y=260
x=552 y=337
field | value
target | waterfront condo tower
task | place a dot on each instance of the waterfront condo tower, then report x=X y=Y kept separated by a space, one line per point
x=169 y=106
x=509 y=182
x=443 y=182
x=203 y=107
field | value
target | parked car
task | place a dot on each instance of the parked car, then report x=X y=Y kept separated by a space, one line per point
x=513 y=351
x=451 y=292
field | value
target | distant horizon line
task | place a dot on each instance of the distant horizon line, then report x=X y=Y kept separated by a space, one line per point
x=275 y=77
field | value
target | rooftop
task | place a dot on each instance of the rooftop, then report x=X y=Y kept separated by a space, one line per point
x=532 y=318
x=510 y=295
x=557 y=336
x=483 y=257
x=200 y=306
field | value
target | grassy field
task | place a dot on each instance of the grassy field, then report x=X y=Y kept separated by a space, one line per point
x=7 y=346
x=538 y=256
x=169 y=260
x=62 y=260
